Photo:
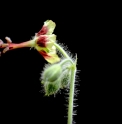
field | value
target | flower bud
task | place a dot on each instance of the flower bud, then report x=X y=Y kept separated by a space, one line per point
x=52 y=87
x=52 y=73
x=65 y=78
x=56 y=76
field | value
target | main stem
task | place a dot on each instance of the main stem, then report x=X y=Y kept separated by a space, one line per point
x=71 y=96
x=71 y=92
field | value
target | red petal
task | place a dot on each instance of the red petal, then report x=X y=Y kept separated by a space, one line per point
x=43 y=31
x=44 y=54
x=41 y=41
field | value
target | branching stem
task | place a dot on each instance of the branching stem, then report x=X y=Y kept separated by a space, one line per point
x=72 y=83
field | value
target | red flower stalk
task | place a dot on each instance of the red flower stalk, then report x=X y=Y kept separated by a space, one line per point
x=43 y=42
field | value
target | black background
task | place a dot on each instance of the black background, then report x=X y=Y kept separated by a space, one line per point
x=20 y=95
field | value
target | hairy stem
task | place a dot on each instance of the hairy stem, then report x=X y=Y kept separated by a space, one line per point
x=65 y=61
x=61 y=50
x=71 y=96
x=72 y=81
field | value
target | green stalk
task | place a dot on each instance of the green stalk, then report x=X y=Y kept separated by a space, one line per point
x=71 y=96
x=71 y=92
x=61 y=50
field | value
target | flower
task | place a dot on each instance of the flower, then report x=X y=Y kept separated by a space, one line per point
x=44 y=42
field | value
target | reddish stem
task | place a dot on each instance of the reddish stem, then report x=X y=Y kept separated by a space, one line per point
x=20 y=45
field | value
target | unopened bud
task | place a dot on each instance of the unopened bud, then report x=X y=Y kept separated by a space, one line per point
x=52 y=73
x=52 y=87
x=65 y=78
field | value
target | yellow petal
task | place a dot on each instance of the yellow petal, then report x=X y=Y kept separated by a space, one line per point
x=53 y=59
x=51 y=41
x=50 y=25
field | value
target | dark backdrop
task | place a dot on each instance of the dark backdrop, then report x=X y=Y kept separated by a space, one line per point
x=20 y=95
